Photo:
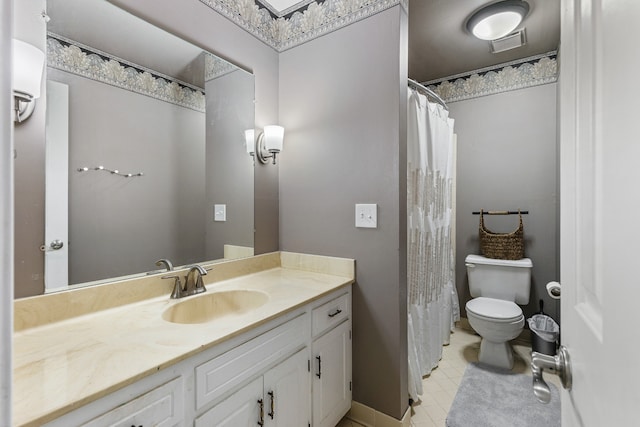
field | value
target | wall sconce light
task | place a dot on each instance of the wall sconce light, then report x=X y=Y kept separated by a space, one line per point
x=250 y=141
x=268 y=145
x=28 y=64
x=497 y=20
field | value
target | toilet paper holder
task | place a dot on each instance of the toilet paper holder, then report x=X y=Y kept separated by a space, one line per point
x=554 y=289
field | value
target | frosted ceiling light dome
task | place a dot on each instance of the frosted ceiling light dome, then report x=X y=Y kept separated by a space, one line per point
x=498 y=19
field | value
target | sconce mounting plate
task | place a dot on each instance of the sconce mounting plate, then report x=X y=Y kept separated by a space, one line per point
x=261 y=151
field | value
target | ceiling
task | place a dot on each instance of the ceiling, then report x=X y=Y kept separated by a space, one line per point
x=440 y=46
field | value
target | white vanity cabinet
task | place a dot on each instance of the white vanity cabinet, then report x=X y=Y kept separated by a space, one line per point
x=161 y=407
x=286 y=392
x=279 y=398
x=331 y=350
x=293 y=370
x=143 y=404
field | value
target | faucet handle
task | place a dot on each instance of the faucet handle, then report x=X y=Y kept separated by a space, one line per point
x=177 y=286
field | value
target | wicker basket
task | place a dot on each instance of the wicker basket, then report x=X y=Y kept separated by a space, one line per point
x=502 y=245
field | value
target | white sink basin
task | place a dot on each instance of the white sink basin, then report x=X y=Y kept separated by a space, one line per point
x=210 y=306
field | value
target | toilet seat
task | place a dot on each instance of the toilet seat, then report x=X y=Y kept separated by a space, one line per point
x=495 y=310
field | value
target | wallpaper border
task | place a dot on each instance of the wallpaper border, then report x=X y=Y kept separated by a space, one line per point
x=76 y=58
x=313 y=20
x=528 y=72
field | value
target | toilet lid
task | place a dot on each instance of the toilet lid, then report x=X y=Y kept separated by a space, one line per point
x=494 y=308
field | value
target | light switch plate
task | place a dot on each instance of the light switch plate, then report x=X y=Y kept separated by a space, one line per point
x=367 y=215
x=219 y=212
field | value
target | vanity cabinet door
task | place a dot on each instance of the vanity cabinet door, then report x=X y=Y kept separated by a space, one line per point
x=279 y=398
x=241 y=409
x=331 y=376
x=286 y=392
x=161 y=407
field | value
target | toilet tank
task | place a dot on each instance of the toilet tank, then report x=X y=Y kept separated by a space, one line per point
x=499 y=278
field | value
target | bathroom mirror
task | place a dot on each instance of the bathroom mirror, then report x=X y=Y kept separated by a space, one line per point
x=154 y=164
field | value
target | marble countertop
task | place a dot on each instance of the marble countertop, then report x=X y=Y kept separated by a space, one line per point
x=61 y=366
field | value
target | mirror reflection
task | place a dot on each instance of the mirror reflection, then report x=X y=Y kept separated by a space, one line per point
x=145 y=156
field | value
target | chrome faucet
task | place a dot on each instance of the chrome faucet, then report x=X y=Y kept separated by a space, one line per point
x=193 y=280
x=193 y=283
x=167 y=264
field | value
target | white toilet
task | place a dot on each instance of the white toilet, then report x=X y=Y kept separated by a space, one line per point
x=498 y=286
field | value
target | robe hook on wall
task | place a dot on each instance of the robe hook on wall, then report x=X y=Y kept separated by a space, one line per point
x=113 y=172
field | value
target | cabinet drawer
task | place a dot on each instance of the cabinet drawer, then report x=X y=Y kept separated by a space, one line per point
x=221 y=374
x=330 y=314
x=162 y=407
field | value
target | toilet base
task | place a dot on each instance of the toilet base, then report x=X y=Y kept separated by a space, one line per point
x=496 y=354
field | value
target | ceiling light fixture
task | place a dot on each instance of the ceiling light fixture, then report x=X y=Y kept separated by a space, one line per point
x=497 y=19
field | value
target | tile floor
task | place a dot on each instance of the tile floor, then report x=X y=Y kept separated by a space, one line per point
x=440 y=387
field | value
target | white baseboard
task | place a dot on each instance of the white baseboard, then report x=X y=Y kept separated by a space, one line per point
x=369 y=417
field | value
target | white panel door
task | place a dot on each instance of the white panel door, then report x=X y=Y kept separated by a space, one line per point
x=56 y=259
x=331 y=376
x=600 y=210
x=286 y=392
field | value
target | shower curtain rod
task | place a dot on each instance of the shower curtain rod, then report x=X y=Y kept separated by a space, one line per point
x=429 y=92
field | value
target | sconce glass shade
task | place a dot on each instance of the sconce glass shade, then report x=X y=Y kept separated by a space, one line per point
x=28 y=63
x=273 y=138
x=269 y=143
x=250 y=141
x=498 y=19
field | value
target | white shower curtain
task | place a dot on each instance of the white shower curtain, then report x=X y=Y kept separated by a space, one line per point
x=433 y=305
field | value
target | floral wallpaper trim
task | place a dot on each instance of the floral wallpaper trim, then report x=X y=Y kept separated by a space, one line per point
x=317 y=19
x=216 y=67
x=73 y=57
x=286 y=11
x=528 y=72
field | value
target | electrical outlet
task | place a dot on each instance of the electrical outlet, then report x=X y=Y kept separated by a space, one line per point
x=367 y=216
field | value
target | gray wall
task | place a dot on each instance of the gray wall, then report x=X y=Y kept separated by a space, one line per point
x=507 y=159
x=29 y=165
x=345 y=144
x=229 y=172
x=119 y=225
x=197 y=23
